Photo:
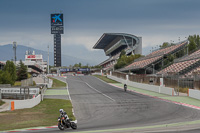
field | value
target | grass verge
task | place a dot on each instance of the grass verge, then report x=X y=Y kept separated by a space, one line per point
x=44 y=114
x=1 y=102
x=17 y=83
x=57 y=83
x=104 y=78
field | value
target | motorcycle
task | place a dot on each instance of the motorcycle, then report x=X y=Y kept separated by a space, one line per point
x=64 y=122
x=125 y=87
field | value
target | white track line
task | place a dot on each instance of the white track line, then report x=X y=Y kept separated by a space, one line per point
x=99 y=92
x=68 y=92
x=70 y=98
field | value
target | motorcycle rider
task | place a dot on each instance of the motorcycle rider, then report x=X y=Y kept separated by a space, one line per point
x=62 y=112
x=65 y=122
x=125 y=87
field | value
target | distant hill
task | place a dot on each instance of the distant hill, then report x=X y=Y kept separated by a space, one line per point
x=73 y=54
x=6 y=53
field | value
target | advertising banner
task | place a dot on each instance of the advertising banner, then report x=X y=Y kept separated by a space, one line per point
x=57 y=19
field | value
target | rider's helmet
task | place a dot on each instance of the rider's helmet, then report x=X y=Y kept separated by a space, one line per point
x=61 y=111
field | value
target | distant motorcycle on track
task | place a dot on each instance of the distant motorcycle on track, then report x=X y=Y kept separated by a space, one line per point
x=125 y=87
x=64 y=122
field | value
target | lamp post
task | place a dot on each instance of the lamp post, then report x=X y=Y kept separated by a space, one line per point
x=48 y=61
x=14 y=49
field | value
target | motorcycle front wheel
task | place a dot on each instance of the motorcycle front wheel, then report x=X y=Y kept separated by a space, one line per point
x=73 y=125
x=60 y=126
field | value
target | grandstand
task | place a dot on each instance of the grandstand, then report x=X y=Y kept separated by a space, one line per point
x=185 y=67
x=154 y=61
x=114 y=43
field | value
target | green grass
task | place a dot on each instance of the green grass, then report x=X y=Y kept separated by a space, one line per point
x=57 y=83
x=104 y=78
x=17 y=83
x=44 y=114
x=1 y=102
x=183 y=90
x=56 y=92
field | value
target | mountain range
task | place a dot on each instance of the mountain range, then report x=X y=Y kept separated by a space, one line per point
x=71 y=54
x=75 y=54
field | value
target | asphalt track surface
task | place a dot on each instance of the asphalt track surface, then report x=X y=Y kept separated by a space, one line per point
x=100 y=106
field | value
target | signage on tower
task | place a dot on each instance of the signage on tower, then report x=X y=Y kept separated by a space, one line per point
x=56 y=19
x=57 y=29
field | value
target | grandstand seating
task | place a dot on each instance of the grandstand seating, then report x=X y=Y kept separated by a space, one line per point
x=109 y=67
x=186 y=66
x=178 y=67
x=193 y=72
x=108 y=61
x=143 y=63
x=194 y=55
x=167 y=50
x=154 y=57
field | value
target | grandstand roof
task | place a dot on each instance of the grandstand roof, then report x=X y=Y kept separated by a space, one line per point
x=107 y=38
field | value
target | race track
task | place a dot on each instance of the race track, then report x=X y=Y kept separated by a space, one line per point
x=100 y=106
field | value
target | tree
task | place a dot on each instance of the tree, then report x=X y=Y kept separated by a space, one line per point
x=11 y=69
x=79 y=65
x=125 y=60
x=5 y=78
x=123 y=52
x=8 y=75
x=22 y=71
x=198 y=41
x=192 y=45
x=165 y=44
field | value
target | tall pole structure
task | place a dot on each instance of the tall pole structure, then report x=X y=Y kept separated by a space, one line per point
x=48 y=61
x=57 y=28
x=14 y=49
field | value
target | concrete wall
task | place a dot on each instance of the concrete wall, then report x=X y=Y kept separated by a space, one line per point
x=97 y=74
x=29 y=103
x=154 y=88
x=49 y=85
x=194 y=93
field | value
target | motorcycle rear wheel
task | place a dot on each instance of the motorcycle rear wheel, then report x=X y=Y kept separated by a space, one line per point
x=60 y=126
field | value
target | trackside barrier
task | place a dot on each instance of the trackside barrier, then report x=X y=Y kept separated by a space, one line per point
x=194 y=93
x=29 y=103
x=96 y=73
x=154 y=88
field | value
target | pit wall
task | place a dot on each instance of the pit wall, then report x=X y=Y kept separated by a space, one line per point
x=154 y=88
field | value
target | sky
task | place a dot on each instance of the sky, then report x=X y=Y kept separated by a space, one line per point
x=28 y=21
